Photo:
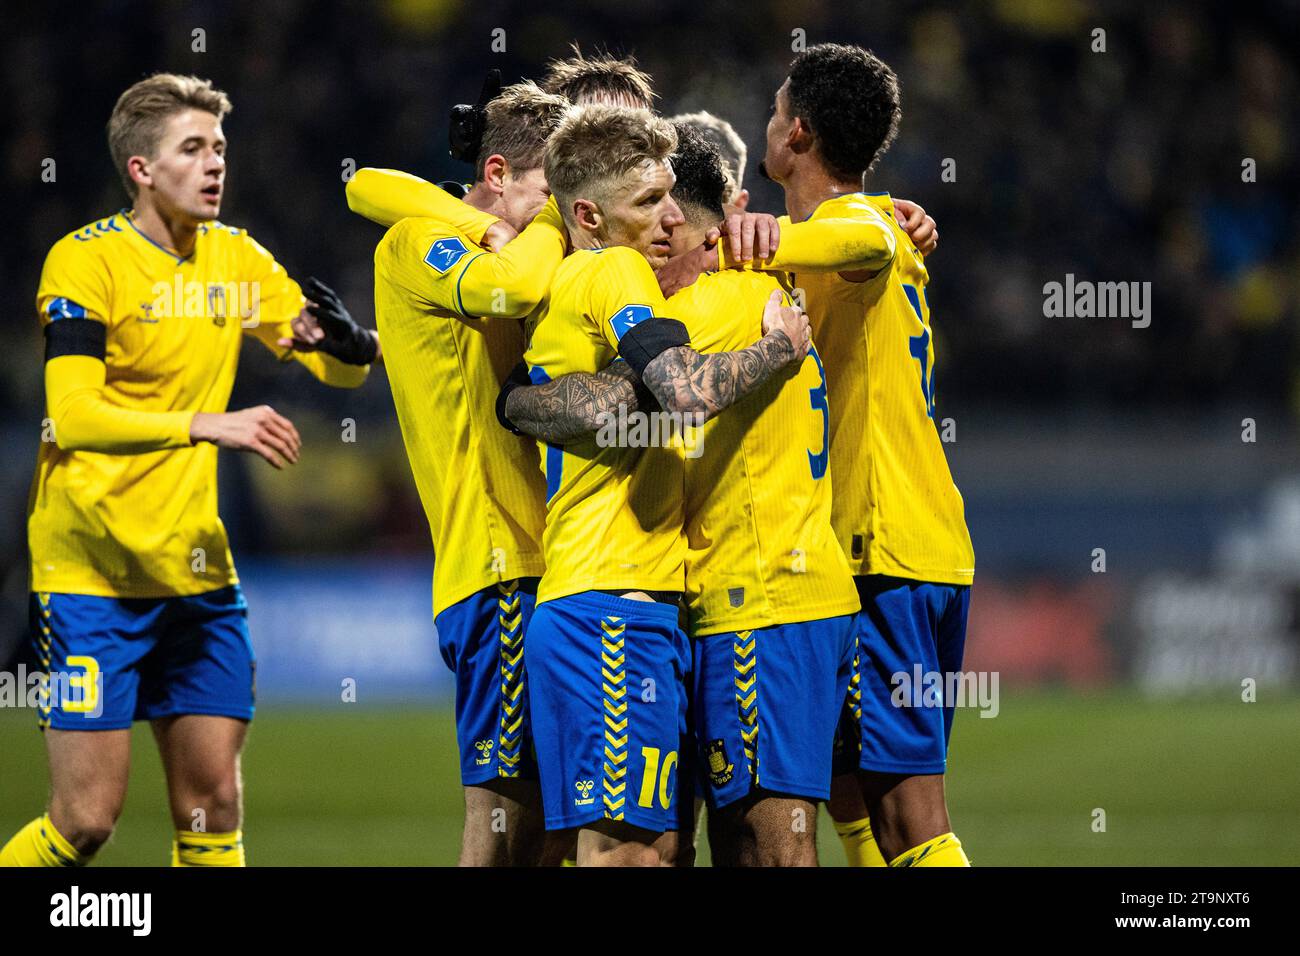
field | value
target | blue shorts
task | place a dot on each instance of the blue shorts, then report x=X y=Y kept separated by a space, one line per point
x=906 y=629
x=608 y=701
x=482 y=640
x=765 y=705
x=112 y=661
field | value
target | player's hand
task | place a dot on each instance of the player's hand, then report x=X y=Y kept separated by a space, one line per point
x=260 y=430
x=497 y=235
x=788 y=321
x=331 y=329
x=750 y=233
x=307 y=333
x=920 y=228
x=680 y=271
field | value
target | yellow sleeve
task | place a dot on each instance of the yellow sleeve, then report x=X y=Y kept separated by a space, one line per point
x=622 y=293
x=74 y=284
x=440 y=265
x=85 y=421
x=841 y=244
x=277 y=301
x=387 y=196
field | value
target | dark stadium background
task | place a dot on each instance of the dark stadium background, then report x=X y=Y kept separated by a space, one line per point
x=1120 y=690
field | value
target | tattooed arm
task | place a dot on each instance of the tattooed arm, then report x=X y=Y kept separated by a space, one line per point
x=573 y=405
x=678 y=379
x=689 y=383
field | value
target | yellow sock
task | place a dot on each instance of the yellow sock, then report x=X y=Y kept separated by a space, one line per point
x=208 y=849
x=39 y=844
x=944 y=850
x=859 y=845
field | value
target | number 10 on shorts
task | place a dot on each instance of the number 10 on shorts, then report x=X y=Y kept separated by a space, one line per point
x=653 y=774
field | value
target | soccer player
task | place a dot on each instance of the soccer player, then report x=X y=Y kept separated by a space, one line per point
x=605 y=653
x=136 y=608
x=449 y=314
x=386 y=197
x=897 y=512
x=771 y=601
x=731 y=149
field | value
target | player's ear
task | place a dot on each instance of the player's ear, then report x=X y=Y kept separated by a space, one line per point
x=587 y=215
x=800 y=136
x=137 y=167
x=494 y=172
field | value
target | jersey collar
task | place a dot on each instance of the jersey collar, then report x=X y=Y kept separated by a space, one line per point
x=126 y=214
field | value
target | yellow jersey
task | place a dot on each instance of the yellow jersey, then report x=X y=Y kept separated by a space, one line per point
x=480 y=485
x=760 y=548
x=145 y=524
x=896 y=509
x=614 y=513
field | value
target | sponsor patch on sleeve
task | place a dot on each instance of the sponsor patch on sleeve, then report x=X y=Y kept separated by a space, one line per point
x=445 y=253
x=628 y=316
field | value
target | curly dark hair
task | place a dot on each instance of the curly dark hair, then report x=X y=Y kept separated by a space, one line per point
x=849 y=98
x=702 y=183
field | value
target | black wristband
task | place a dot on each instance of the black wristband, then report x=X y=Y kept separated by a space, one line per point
x=359 y=348
x=517 y=378
x=76 y=337
x=647 y=340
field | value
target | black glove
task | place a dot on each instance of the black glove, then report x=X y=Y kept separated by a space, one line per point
x=344 y=339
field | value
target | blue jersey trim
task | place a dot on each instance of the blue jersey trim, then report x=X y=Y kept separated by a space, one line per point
x=164 y=249
x=460 y=302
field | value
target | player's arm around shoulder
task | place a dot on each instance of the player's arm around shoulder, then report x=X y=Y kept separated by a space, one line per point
x=857 y=238
x=701 y=386
x=511 y=283
x=658 y=349
x=387 y=196
x=445 y=266
x=572 y=406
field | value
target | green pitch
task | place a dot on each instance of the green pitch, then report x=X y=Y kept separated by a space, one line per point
x=1186 y=782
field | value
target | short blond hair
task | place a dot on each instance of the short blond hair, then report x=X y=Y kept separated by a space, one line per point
x=602 y=78
x=519 y=120
x=136 y=126
x=730 y=146
x=596 y=145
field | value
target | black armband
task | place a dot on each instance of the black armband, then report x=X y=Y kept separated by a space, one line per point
x=647 y=340
x=76 y=337
x=517 y=378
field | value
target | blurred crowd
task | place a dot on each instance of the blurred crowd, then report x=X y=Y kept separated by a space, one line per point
x=1117 y=165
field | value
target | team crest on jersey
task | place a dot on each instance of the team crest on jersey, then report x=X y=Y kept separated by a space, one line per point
x=584 y=788
x=484 y=748
x=445 y=253
x=628 y=316
x=217 y=304
x=736 y=596
x=721 y=770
